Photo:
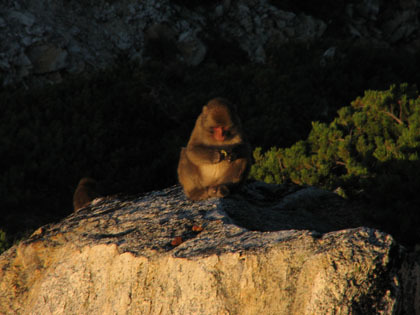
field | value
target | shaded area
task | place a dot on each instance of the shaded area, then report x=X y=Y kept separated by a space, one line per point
x=125 y=125
x=268 y=207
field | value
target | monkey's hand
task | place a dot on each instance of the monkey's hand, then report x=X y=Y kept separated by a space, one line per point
x=227 y=155
x=218 y=156
x=223 y=155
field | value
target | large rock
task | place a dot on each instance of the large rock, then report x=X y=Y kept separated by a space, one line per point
x=390 y=23
x=42 y=40
x=268 y=250
x=71 y=36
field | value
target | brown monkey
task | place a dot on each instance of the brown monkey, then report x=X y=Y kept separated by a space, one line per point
x=86 y=191
x=217 y=157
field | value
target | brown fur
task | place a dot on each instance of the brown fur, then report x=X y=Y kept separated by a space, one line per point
x=86 y=191
x=210 y=168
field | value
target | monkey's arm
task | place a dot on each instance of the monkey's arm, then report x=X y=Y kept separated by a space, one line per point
x=199 y=154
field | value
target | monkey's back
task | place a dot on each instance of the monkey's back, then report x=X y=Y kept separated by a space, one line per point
x=86 y=191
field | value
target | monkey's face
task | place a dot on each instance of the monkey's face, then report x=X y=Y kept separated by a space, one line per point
x=219 y=121
x=219 y=128
x=220 y=133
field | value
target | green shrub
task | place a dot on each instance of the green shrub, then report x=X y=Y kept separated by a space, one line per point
x=370 y=150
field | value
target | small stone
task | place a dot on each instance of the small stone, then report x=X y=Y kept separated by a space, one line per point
x=176 y=241
x=23 y=60
x=330 y=52
x=218 y=11
x=192 y=49
x=4 y=64
x=26 y=41
x=47 y=58
x=260 y=54
x=27 y=19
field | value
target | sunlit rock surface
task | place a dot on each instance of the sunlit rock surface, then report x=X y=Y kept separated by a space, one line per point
x=267 y=250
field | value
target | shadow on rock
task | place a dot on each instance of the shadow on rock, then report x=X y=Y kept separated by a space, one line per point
x=268 y=207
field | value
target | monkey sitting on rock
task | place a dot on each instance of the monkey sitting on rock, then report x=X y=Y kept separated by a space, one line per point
x=86 y=191
x=217 y=157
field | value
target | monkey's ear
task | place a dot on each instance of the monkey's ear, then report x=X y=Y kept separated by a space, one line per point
x=205 y=109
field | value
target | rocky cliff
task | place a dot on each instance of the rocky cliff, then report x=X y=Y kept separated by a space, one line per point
x=46 y=40
x=269 y=250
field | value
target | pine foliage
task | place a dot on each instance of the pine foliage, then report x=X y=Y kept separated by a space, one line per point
x=371 y=150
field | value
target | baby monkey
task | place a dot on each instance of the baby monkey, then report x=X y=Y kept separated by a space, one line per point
x=217 y=157
x=86 y=191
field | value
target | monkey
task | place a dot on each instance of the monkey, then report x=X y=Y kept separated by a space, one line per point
x=216 y=160
x=86 y=191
